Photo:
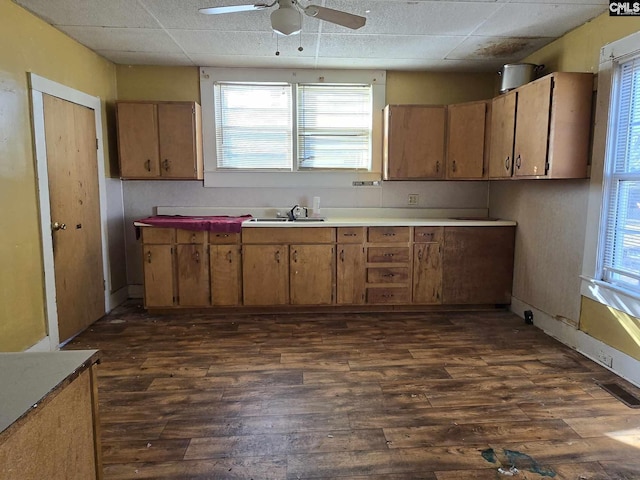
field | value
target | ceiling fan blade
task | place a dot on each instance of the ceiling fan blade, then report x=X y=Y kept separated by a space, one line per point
x=335 y=16
x=233 y=9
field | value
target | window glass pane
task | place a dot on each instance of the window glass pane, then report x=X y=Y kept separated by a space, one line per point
x=334 y=126
x=253 y=126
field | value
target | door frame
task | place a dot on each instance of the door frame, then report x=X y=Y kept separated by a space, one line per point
x=39 y=86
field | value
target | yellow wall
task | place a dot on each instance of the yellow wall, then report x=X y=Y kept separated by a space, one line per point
x=179 y=84
x=30 y=45
x=579 y=51
x=438 y=87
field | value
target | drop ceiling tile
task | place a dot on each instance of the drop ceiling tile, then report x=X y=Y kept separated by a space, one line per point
x=124 y=39
x=537 y=20
x=284 y=60
x=415 y=17
x=146 y=58
x=242 y=43
x=96 y=13
x=506 y=49
x=386 y=46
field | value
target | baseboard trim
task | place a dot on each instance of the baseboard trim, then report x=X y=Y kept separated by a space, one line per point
x=43 y=345
x=118 y=298
x=622 y=364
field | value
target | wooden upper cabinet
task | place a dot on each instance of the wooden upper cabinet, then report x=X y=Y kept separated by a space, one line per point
x=414 y=141
x=553 y=126
x=467 y=142
x=503 y=129
x=161 y=140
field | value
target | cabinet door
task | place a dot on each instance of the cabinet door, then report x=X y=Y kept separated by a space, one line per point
x=477 y=265
x=193 y=275
x=350 y=274
x=311 y=274
x=226 y=274
x=265 y=274
x=466 y=140
x=177 y=134
x=532 y=128
x=138 y=140
x=503 y=129
x=158 y=275
x=414 y=139
x=427 y=273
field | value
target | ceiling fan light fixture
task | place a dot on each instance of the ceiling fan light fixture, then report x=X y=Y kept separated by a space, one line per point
x=286 y=20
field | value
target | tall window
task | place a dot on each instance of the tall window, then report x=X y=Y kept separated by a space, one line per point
x=621 y=252
x=294 y=127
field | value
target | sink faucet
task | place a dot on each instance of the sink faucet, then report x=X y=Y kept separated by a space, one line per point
x=296 y=212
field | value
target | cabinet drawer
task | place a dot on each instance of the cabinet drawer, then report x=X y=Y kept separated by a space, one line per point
x=388 y=234
x=289 y=235
x=388 y=275
x=222 y=238
x=190 y=236
x=350 y=234
x=158 y=235
x=428 y=234
x=388 y=295
x=388 y=254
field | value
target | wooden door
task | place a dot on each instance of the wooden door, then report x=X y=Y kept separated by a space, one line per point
x=532 y=128
x=226 y=274
x=477 y=265
x=503 y=129
x=414 y=139
x=72 y=164
x=427 y=273
x=193 y=275
x=350 y=273
x=158 y=275
x=265 y=274
x=311 y=274
x=138 y=140
x=176 y=130
x=466 y=140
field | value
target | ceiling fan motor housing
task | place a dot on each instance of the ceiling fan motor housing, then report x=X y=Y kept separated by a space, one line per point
x=286 y=20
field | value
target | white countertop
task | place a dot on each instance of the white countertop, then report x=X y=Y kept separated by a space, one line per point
x=385 y=222
x=27 y=378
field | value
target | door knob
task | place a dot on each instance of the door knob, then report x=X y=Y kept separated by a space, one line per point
x=59 y=226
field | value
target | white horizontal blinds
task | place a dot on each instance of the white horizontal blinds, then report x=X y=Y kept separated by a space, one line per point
x=334 y=126
x=254 y=124
x=622 y=234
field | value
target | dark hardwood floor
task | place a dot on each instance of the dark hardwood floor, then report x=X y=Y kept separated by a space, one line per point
x=389 y=396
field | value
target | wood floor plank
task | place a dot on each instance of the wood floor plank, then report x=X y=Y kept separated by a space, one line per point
x=385 y=395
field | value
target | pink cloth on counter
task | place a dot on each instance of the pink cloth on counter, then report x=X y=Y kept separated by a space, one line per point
x=222 y=223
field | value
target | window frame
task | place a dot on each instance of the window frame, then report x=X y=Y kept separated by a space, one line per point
x=594 y=285
x=214 y=177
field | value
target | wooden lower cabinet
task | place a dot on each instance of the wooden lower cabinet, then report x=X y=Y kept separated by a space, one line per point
x=159 y=286
x=388 y=265
x=350 y=274
x=193 y=275
x=311 y=274
x=226 y=274
x=427 y=273
x=477 y=265
x=265 y=274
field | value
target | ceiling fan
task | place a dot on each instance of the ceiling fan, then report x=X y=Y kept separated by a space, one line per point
x=287 y=19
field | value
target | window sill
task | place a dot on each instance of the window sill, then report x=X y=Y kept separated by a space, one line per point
x=287 y=179
x=619 y=298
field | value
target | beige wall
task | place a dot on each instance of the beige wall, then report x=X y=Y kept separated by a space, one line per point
x=551 y=215
x=30 y=45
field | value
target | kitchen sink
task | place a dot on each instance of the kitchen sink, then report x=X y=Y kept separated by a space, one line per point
x=272 y=219
x=284 y=219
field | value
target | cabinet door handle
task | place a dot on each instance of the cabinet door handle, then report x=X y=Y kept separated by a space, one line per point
x=197 y=257
x=147 y=165
x=419 y=254
x=277 y=256
x=193 y=238
x=437 y=166
x=229 y=257
x=342 y=256
x=453 y=166
x=295 y=256
x=166 y=164
x=507 y=163
x=149 y=256
x=518 y=161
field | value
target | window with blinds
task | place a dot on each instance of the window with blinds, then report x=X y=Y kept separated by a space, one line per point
x=621 y=252
x=334 y=126
x=257 y=129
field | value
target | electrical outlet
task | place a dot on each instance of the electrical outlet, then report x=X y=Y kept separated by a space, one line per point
x=413 y=199
x=605 y=359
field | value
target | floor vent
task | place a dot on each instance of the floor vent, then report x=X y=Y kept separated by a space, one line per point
x=629 y=399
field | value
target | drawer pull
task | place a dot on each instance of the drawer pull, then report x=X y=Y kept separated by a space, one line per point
x=222 y=235
x=389 y=234
x=388 y=275
x=387 y=295
x=349 y=234
x=387 y=254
